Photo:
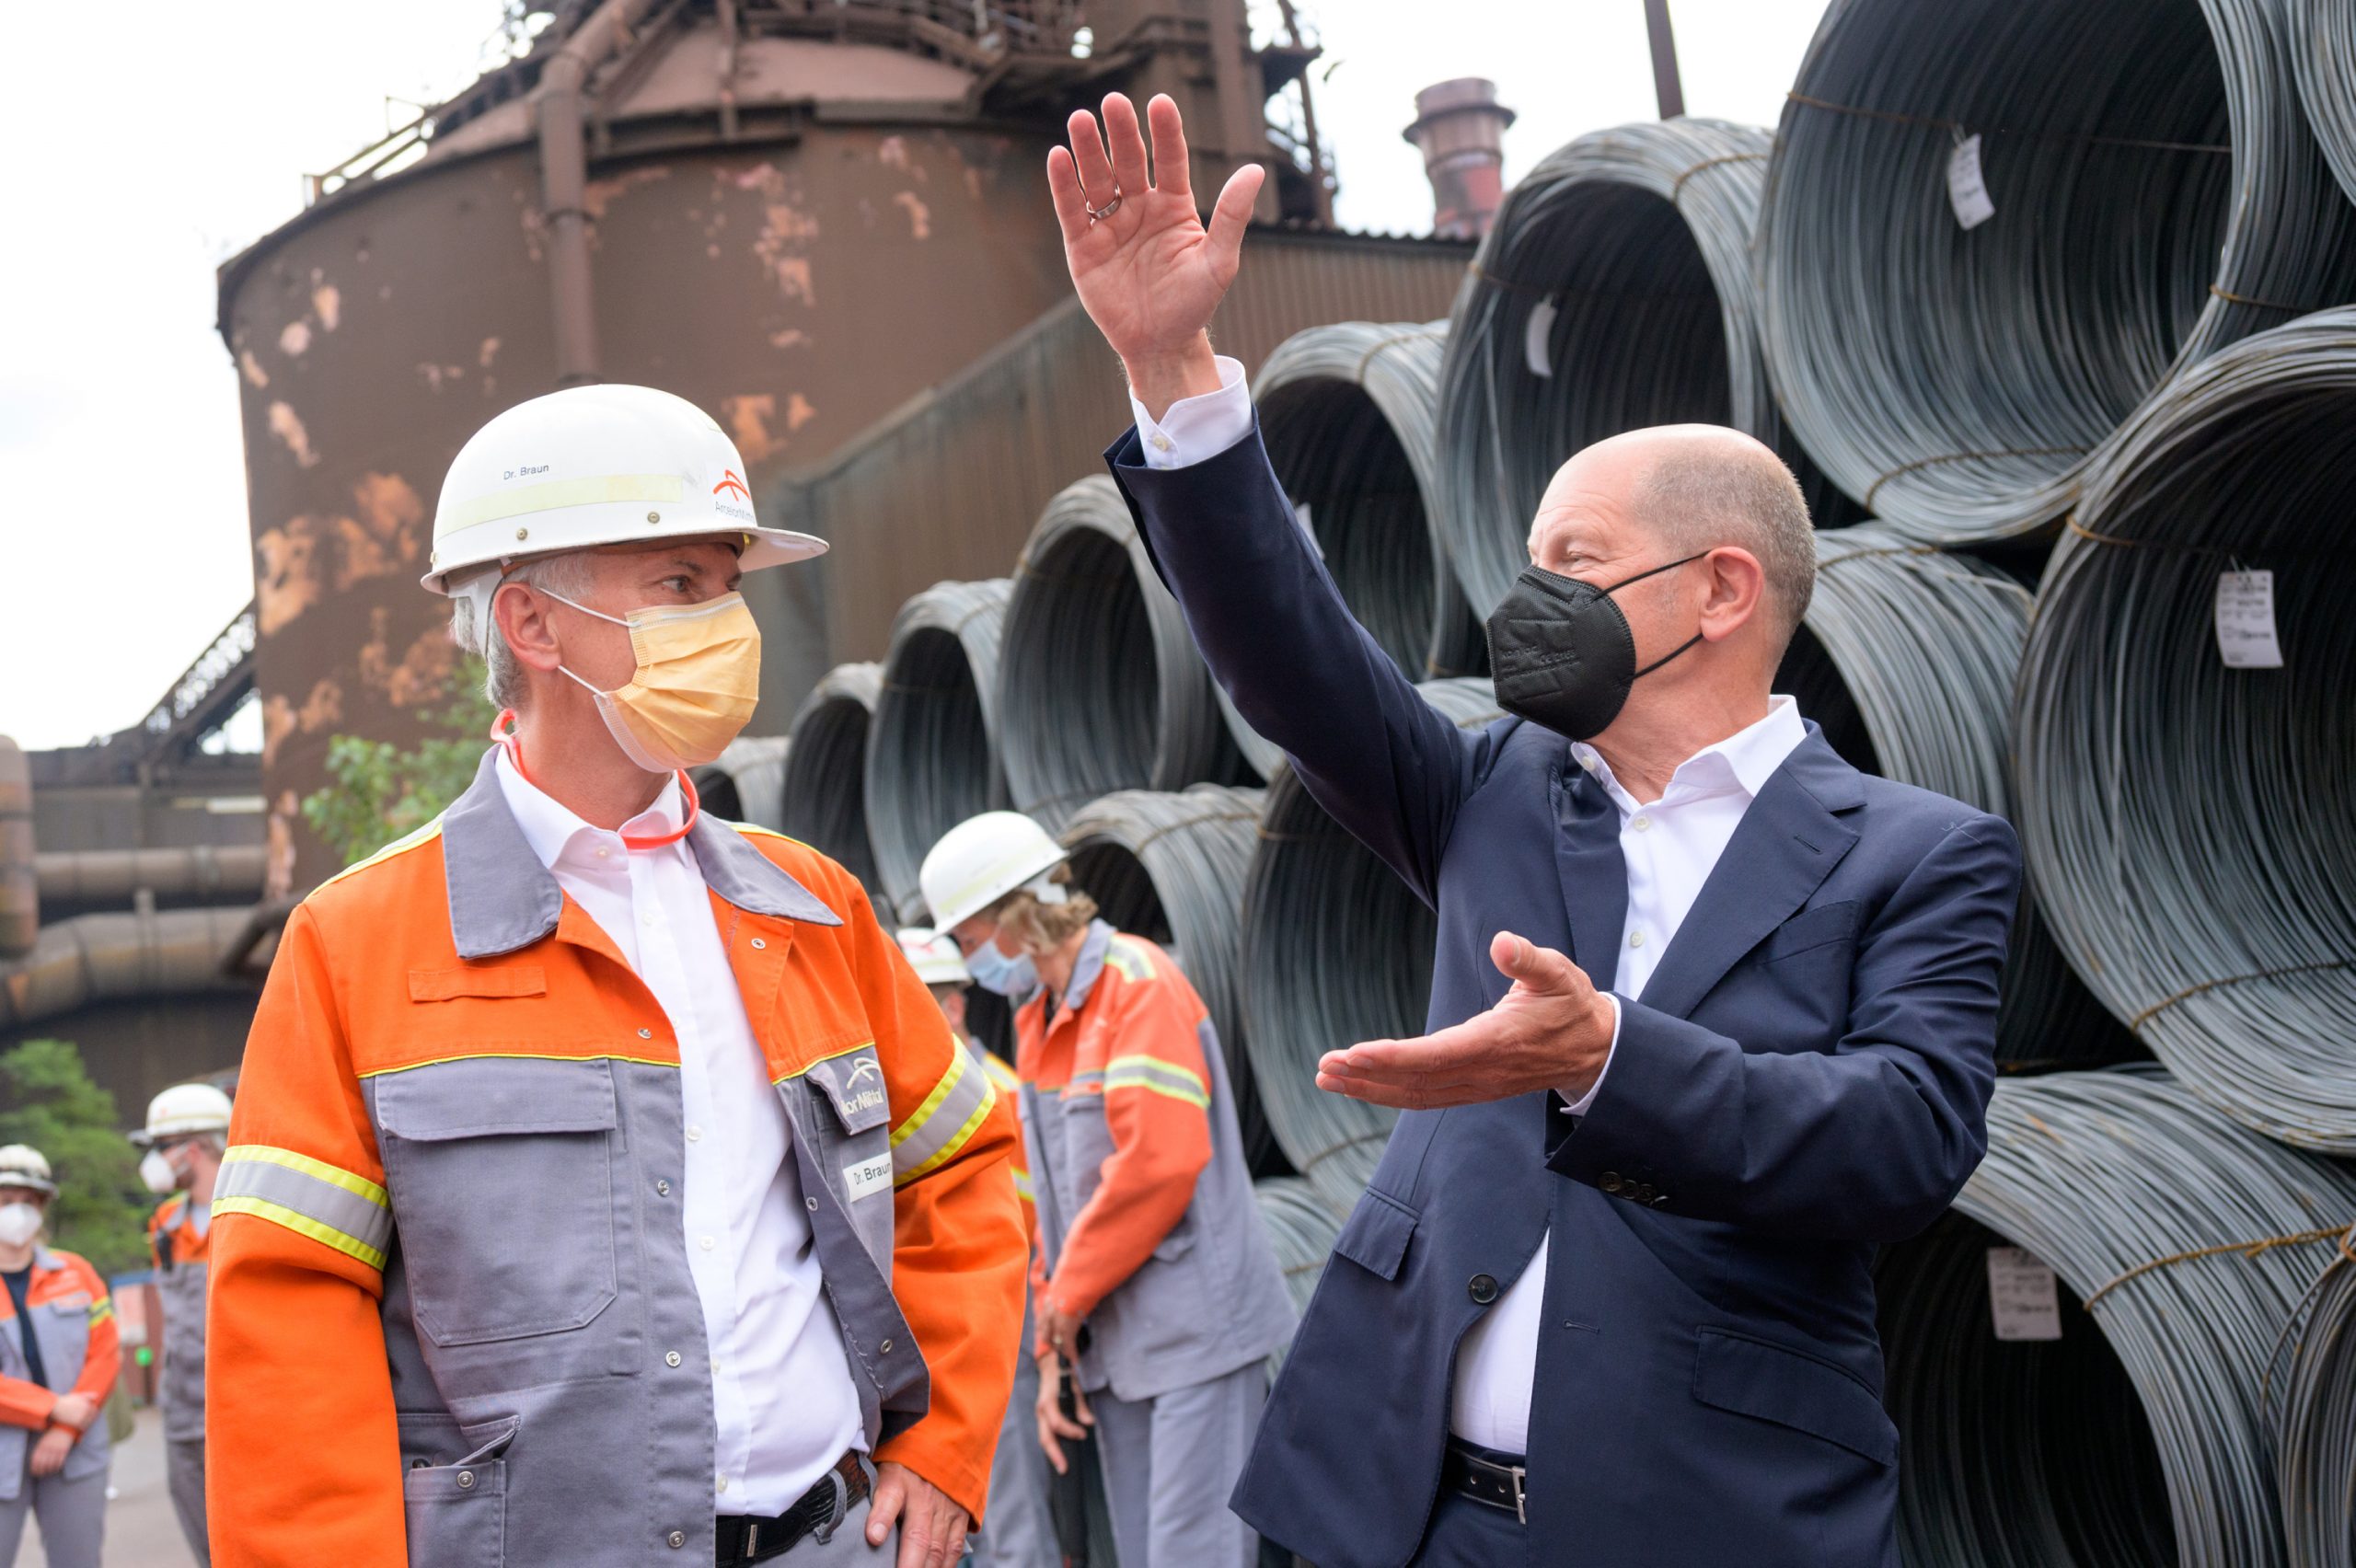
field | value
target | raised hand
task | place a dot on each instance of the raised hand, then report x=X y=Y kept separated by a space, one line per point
x=1553 y=1030
x=1149 y=274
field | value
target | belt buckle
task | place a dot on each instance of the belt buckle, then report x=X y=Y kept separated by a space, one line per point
x=1521 y=1501
x=752 y=1540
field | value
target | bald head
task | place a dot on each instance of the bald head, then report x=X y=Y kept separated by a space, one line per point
x=1687 y=489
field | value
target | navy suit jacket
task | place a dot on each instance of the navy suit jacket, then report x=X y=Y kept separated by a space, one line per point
x=1804 y=1077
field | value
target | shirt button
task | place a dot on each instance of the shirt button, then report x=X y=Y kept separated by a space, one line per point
x=1641 y=824
x=1610 y=1182
x=1635 y=939
x=705 y=1243
x=759 y=943
x=695 y=1135
x=603 y=853
x=670 y=1358
x=675 y=1539
x=646 y=1034
x=723 y=1484
x=1160 y=442
x=1481 y=1288
x=1644 y=1192
x=662 y=1189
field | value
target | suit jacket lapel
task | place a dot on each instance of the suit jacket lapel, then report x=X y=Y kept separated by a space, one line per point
x=1787 y=844
x=1594 y=872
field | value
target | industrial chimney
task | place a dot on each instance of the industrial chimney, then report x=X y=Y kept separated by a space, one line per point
x=1459 y=128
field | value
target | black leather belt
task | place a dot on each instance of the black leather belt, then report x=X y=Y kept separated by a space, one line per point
x=1487 y=1477
x=742 y=1538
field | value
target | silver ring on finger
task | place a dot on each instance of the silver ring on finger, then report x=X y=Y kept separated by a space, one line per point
x=1098 y=215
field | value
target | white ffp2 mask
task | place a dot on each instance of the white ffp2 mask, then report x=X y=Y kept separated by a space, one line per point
x=156 y=1171
x=19 y=1223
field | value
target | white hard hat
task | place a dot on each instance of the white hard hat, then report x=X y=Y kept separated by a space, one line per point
x=596 y=466
x=984 y=858
x=21 y=1165
x=184 y=1108
x=934 y=957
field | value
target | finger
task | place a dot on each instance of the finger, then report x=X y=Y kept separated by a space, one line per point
x=1231 y=216
x=1088 y=151
x=1127 y=140
x=955 y=1543
x=1080 y=1407
x=890 y=1496
x=1373 y=1092
x=1053 y=1450
x=1172 y=173
x=1063 y=185
x=1538 y=968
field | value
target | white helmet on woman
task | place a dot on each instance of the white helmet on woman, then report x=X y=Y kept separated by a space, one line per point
x=21 y=1165
x=984 y=858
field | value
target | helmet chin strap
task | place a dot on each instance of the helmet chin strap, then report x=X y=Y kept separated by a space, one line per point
x=502 y=730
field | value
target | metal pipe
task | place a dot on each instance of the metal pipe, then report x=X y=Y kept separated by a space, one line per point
x=114 y=876
x=564 y=180
x=19 y=886
x=1669 y=91
x=118 y=957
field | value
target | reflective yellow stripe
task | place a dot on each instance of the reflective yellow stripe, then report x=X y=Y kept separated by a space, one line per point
x=546 y=497
x=1000 y=1073
x=1193 y=1097
x=417 y=840
x=957 y=1140
x=333 y=1175
x=302 y=1225
x=1154 y=1066
x=932 y=1103
x=100 y=1311
x=514 y=1056
x=1131 y=962
x=1023 y=1189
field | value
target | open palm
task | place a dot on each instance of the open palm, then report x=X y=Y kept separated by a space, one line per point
x=1148 y=272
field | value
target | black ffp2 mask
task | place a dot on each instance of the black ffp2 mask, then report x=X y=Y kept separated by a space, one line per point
x=1562 y=653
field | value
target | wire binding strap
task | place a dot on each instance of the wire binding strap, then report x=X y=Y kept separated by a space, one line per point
x=2136 y=1023
x=1874 y=488
x=2251 y=1250
x=2232 y=298
x=1712 y=162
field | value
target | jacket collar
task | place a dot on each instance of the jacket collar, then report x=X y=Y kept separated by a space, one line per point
x=503 y=898
x=1088 y=967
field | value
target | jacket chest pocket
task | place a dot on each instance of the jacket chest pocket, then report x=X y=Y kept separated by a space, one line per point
x=1076 y=1141
x=846 y=1117
x=65 y=1331
x=502 y=1176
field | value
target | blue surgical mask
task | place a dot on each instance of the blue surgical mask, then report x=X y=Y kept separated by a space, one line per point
x=1013 y=978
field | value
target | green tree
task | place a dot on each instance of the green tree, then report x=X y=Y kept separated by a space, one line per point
x=101 y=1206
x=381 y=792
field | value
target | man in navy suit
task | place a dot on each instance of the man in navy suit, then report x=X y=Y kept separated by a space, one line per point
x=1712 y=1013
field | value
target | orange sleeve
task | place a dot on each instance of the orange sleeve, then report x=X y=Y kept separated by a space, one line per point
x=303 y=1458
x=103 y=1359
x=957 y=1242
x=24 y=1402
x=1157 y=1106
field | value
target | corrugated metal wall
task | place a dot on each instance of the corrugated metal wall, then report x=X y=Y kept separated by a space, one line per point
x=948 y=486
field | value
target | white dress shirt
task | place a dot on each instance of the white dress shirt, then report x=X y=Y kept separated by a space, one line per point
x=781 y=1392
x=1671 y=846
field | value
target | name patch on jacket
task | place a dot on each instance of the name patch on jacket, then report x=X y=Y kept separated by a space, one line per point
x=855 y=1083
x=861 y=1177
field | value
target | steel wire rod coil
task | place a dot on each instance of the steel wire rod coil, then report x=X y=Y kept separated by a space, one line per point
x=2311 y=1414
x=2189 y=824
x=1301 y=1229
x=1638 y=240
x=1100 y=687
x=2323 y=51
x=1907 y=658
x=1337 y=950
x=932 y=747
x=2158 y=195
x=2191 y=1241
x=1349 y=413
x=1171 y=867
x=825 y=794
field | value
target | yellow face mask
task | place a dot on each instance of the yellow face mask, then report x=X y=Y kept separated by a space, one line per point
x=698 y=679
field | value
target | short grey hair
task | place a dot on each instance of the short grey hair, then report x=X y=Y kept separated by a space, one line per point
x=1701 y=498
x=475 y=630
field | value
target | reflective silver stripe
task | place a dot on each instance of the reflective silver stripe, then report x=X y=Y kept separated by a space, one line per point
x=347 y=1212
x=945 y=1122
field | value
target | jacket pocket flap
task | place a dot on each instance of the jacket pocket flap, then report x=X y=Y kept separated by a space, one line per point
x=1790 y=1388
x=853 y=1084
x=484 y=1097
x=503 y=980
x=1813 y=929
x=1376 y=1235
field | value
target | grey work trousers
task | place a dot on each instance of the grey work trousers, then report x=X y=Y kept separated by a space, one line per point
x=184 y=1477
x=1171 y=1463
x=845 y=1546
x=72 y=1518
x=1020 y=1532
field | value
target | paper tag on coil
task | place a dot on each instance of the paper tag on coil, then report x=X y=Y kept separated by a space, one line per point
x=1967 y=191
x=2246 y=634
x=2022 y=1295
x=1537 y=337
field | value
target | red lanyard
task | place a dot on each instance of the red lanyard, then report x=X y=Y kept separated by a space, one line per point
x=502 y=730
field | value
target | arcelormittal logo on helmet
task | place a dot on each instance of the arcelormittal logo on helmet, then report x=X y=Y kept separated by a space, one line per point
x=731 y=499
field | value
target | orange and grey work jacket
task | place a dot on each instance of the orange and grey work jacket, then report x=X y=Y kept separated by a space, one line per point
x=1147 y=1228
x=71 y=1318
x=181 y=1256
x=451 y=1301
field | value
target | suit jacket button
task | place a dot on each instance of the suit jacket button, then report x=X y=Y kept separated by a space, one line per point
x=1661 y=1202
x=1482 y=1289
x=1608 y=1182
x=1644 y=1194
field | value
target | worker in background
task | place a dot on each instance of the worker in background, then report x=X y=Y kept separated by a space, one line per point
x=1154 y=1283
x=1022 y=1531
x=187 y=1128
x=604 y=1190
x=58 y=1358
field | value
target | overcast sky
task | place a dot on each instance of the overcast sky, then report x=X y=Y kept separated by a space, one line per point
x=134 y=174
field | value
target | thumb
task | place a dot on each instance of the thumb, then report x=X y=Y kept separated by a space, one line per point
x=1534 y=967
x=1231 y=215
x=884 y=1511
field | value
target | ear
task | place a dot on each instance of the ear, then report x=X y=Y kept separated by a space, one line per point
x=1734 y=591
x=523 y=619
